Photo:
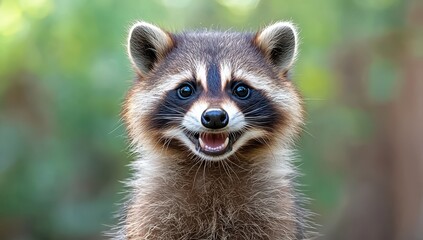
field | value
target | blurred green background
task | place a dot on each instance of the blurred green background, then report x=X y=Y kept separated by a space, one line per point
x=64 y=73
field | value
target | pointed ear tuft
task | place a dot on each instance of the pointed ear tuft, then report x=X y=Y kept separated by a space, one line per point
x=279 y=42
x=147 y=44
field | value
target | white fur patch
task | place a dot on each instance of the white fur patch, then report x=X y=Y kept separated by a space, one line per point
x=201 y=75
x=225 y=74
x=192 y=119
x=236 y=117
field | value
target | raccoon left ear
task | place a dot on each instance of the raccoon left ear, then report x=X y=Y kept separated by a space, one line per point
x=147 y=45
x=279 y=42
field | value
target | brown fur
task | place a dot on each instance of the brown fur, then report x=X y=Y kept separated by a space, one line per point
x=203 y=203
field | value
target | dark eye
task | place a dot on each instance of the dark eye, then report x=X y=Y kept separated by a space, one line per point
x=185 y=91
x=241 y=91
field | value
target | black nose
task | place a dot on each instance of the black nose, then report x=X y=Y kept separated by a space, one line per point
x=214 y=118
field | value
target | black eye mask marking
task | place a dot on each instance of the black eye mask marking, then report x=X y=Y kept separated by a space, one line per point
x=258 y=109
x=172 y=108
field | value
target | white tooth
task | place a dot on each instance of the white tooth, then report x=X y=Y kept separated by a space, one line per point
x=202 y=143
x=226 y=142
x=213 y=149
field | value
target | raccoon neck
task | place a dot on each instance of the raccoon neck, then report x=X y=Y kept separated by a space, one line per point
x=273 y=169
x=214 y=200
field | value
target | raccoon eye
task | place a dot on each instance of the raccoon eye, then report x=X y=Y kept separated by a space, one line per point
x=241 y=91
x=185 y=91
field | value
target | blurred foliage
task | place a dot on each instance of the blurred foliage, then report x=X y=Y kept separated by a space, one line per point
x=64 y=72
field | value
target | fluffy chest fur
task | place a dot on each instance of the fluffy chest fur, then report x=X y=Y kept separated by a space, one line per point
x=213 y=201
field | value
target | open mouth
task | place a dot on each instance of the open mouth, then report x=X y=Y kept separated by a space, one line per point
x=213 y=144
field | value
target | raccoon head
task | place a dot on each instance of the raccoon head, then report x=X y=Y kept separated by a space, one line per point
x=212 y=95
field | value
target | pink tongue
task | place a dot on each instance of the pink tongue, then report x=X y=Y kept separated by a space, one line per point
x=213 y=140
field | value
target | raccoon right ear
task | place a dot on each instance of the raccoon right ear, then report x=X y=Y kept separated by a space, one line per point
x=279 y=42
x=147 y=45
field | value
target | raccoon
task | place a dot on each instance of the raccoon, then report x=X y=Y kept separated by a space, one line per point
x=212 y=118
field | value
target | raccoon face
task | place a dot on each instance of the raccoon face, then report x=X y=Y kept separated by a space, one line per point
x=212 y=95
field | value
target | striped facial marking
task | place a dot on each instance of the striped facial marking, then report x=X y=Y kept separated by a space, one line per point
x=225 y=74
x=213 y=80
x=201 y=75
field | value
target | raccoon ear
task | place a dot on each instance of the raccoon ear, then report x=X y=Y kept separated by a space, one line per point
x=279 y=42
x=147 y=44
